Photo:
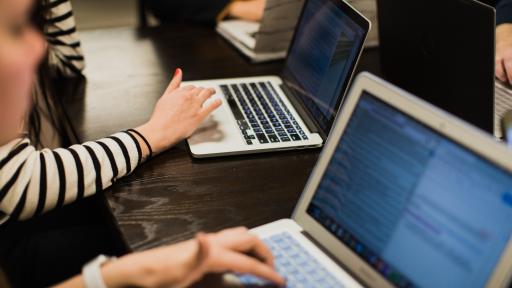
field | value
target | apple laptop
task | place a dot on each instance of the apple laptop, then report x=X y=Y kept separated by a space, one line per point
x=296 y=110
x=266 y=40
x=403 y=195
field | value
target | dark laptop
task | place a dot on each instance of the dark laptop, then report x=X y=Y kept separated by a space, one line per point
x=443 y=51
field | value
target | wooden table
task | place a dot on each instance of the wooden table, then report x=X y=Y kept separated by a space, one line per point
x=173 y=196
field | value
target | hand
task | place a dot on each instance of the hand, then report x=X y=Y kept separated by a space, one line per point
x=251 y=10
x=182 y=264
x=504 y=53
x=177 y=114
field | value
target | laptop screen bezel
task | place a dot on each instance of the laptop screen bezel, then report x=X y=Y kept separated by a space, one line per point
x=362 y=22
x=447 y=125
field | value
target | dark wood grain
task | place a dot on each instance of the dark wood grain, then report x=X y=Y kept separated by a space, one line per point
x=171 y=197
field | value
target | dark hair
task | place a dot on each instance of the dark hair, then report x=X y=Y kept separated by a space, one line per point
x=45 y=92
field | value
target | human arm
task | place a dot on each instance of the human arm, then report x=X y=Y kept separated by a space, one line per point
x=65 y=54
x=33 y=182
x=503 y=59
x=183 y=264
x=251 y=10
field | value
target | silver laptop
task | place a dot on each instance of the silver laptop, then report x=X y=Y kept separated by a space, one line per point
x=296 y=110
x=266 y=40
x=403 y=195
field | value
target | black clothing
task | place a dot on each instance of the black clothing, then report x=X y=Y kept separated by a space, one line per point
x=194 y=11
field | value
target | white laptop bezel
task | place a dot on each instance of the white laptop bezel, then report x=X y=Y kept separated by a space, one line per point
x=429 y=115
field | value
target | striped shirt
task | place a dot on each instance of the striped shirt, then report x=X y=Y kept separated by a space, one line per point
x=33 y=182
x=65 y=52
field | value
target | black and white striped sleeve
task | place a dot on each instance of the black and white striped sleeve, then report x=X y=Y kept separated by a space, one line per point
x=33 y=182
x=65 y=52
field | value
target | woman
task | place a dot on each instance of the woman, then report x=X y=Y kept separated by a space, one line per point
x=33 y=182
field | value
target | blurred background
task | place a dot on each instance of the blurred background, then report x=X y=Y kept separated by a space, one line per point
x=93 y=14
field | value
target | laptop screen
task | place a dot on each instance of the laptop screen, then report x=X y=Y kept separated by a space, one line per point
x=420 y=209
x=322 y=57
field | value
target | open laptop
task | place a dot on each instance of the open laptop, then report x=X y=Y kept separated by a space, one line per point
x=403 y=195
x=296 y=110
x=443 y=51
x=268 y=39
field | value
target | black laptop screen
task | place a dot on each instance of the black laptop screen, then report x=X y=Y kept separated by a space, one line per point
x=322 y=57
x=420 y=209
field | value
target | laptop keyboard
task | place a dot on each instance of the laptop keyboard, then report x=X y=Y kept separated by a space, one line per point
x=296 y=264
x=261 y=114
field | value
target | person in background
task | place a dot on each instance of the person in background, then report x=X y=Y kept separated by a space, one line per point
x=206 y=11
x=63 y=61
x=34 y=182
x=503 y=39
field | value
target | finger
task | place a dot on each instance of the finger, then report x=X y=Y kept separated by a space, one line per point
x=206 y=94
x=226 y=236
x=500 y=71
x=240 y=263
x=241 y=240
x=195 y=93
x=188 y=87
x=252 y=244
x=508 y=69
x=208 y=109
x=176 y=81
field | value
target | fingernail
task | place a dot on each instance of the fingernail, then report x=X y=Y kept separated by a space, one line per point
x=177 y=72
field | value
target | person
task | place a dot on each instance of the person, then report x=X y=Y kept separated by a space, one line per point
x=206 y=11
x=503 y=39
x=34 y=182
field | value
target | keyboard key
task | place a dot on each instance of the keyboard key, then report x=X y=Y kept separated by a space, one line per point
x=232 y=103
x=273 y=138
x=262 y=138
x=295 y=137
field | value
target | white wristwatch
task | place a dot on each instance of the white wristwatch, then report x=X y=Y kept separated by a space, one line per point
x=91 y=272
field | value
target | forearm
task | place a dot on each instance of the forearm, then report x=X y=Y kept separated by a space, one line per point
x=33 y=182
x=169 y=266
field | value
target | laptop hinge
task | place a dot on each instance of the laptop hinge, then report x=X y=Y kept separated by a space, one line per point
x=310 y=123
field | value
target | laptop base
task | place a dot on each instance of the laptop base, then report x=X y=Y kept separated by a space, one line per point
x=220 y=134
x=241 y=35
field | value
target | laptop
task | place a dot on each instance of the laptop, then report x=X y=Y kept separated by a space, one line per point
x=433 y=46
x=297 y=109
x=268 y=39
x=403 y=195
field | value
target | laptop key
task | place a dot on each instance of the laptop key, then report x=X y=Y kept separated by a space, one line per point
x=295 y=137
x=262 y=138
x=273 y=138
x=232 y=103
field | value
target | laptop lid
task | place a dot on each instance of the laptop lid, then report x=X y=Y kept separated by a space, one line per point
x=327 y=44
x=277 y=25
x=407 y=195
x=445 y=59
